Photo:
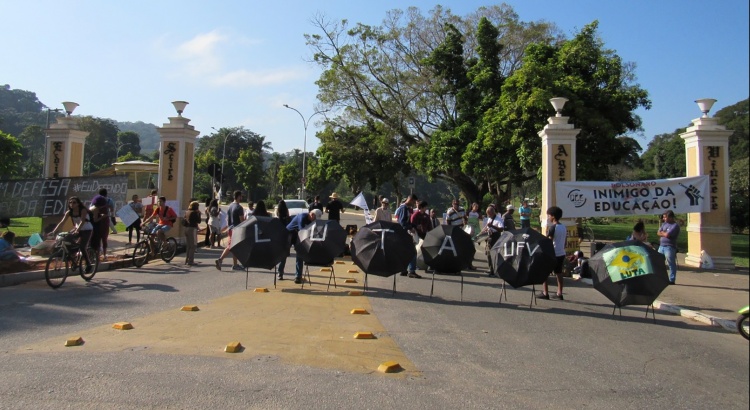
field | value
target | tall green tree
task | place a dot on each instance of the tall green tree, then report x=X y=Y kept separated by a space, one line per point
x=33 y=141
x=381 y=74
x=128 y=142
x=735 y=117
x=664 y=157
x=10 y=155
x=101 y=146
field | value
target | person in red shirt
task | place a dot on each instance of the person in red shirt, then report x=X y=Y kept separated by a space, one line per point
x=165 y=216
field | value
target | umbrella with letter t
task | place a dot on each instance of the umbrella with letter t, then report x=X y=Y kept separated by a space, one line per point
x=629 y=273
x=382 y=248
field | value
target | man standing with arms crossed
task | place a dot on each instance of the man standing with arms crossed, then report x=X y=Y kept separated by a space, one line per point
x=235 y=215
x=668 y=233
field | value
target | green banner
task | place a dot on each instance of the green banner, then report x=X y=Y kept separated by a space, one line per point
x=627 y=262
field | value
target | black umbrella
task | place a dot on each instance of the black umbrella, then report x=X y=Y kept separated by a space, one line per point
x=383 y=249
x=320 y=242
x=449 y=249
x=260 y=242
x=523 y=257
x=629 y=273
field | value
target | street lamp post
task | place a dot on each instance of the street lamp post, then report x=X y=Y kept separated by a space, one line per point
x=304 y=146
x=223 y=154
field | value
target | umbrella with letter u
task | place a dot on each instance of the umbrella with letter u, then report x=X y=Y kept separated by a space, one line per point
x=523 y=257
x=449 y=249
x=319 y=243
x=629 y=273
x=260 y=242
x=382 y=248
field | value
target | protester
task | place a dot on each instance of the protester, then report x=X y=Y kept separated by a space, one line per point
x=282 y=212
x=316 y=204
x=384 y=212
x=525 y=213
x=557 y=232
x=207 y=239
x=299 y=222
x=493 y=226
x=100 y=221
x=403 y=216
x=434 y=221
x=214 y=222
x=260 y=209
x=456 y=215
x=193 y=218
x=112 y=210
x=137 y=207
x=8 y=252
x=82 y=226
x=235 y=216
x=668 y=233
x=639 y=232
x=508 y=221
x=165 y=216
x=420 y=220
x=335 y=208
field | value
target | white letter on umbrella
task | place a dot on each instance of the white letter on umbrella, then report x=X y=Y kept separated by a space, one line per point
x=452 y=247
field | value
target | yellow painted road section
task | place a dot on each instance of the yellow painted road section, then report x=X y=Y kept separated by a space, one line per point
x=307 y=327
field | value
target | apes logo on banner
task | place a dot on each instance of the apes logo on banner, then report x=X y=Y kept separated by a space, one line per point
x=627 y=262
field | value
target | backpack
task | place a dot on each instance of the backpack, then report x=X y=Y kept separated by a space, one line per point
x=214 y=212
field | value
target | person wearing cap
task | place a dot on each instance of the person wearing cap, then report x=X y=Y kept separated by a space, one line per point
x=508 y=221
x=384 y=212
x=668 y=233
x=297 y=224
x=525 y=213
x=335 y=208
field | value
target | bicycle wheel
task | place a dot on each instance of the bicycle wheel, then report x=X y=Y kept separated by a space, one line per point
x=140 y=253
x=588 y=234
x=169 y=249
x=743 y=322
x=94 y=258
x=56 y=270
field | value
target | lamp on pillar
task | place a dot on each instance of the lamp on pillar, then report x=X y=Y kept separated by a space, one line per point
x=69 y=107
x=558 y=103
x=705 y=105
x=180 y=107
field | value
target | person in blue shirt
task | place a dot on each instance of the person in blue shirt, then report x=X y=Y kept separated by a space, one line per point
x=403 y=217
x=525 y=213
x=297 y=224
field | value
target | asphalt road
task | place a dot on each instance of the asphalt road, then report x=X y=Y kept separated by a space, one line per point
x=299 y=352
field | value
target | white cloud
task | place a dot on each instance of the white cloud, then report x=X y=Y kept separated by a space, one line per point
x=246 y=78
x=200 y=54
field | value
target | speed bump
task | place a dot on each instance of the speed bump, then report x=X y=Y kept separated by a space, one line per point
x=76 y=341
x=359 y=311
x=389 y=367
x=352 y=271
x=190 y=308
x=340 y=262
x=122 y=326
x=356 y=293
x=364 y=335
x=234 y=347
x=261 y=290
x=325 y=269
x=350 y=281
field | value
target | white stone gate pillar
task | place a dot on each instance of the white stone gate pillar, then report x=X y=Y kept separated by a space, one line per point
x=707 y=153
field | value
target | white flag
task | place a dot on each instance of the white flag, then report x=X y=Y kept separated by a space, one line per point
x=361 y=202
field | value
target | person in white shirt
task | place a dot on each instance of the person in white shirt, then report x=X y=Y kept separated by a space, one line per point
x=493 y=226
x=384 y=212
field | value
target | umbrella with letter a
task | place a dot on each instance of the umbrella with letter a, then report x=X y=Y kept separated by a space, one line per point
x=382 y=248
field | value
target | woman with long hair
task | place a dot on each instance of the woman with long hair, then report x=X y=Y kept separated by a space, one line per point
x=260 y=209
x=81 y=218
x=214 y=222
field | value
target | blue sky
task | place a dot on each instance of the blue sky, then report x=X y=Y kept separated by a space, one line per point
x=238 y=62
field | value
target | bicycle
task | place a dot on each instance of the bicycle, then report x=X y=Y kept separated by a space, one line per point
x=586 y=232
x=148 y=248
x=68 y=256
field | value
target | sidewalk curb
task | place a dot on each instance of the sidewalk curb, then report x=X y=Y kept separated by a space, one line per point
x=687 y=313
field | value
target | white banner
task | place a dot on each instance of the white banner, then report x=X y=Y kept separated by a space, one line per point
x=648 y=197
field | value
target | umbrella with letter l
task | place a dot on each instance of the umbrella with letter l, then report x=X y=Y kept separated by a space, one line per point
x=449 y=249
x=382 y=248
x=629 y=273
x=523 y=257
x=260 y=242
x=319 y=243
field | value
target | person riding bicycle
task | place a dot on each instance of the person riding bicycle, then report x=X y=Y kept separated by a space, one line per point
x=82 y=227
x=165 y=216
